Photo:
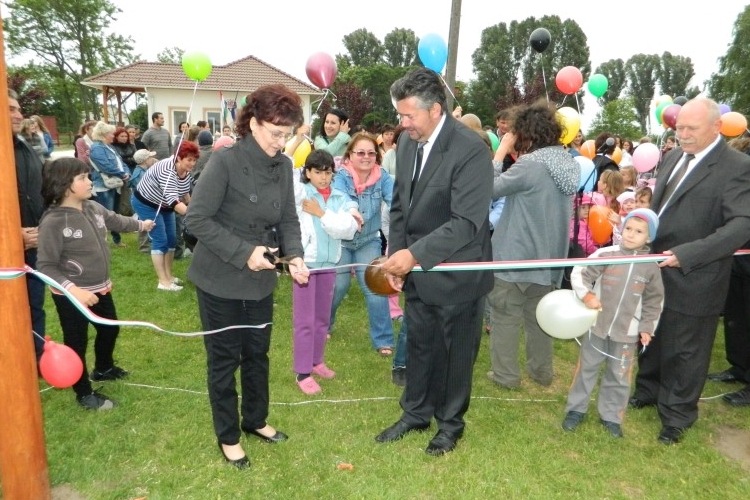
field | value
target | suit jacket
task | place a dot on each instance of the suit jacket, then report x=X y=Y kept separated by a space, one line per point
x=448 y=218
x=705 y=222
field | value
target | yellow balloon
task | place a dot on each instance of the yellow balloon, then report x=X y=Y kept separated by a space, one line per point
x=570 y=121
x=300 y=154
x=662 y=99
x=617 y=155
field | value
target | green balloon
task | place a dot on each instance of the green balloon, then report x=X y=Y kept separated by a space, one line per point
x=494 y=140
x=660 y=109
x=598 y=84
x=196 y=65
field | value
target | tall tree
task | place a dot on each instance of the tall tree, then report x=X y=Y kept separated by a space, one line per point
x=617 y=79
x=170 y=55
x=675 y=73
x=643 y=71
x=71 y=40
x=33 y=96
x=364 y=48
x=616 y=117
x=400 y=46
x=505 y=60
x=729 y=84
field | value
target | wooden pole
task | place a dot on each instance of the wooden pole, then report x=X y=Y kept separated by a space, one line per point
x=23 y=461
x=450 y=71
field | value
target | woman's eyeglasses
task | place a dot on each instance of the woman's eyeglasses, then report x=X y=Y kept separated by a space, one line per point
x=362 y=154
x=278 y=134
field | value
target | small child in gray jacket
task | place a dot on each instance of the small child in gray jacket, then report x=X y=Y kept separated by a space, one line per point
x=630 y=298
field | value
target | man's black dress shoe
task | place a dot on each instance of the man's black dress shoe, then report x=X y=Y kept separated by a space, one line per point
x=637 y=404
x=276 y=438
x=725 y=376
x=399 y=430
x=671 y=435
x=443 y=442
x=240 y=463
x=739 y=398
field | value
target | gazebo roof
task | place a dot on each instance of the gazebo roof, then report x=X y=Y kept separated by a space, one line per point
x=244 y=75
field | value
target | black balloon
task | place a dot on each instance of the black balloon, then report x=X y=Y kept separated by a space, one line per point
x=540 y=39
x=680 y=100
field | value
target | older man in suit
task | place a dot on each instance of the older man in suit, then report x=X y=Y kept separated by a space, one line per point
x=702 y=196
x=439 y=214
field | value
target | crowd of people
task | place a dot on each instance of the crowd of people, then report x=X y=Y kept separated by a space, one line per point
x=457 y=198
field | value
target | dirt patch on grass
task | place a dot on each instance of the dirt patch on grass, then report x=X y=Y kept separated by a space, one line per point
x=735 y=444
x=65 y=492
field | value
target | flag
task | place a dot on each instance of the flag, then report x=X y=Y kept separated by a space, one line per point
x=228 y=107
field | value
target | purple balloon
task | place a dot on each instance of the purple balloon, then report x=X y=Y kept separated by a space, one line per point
x=724 y=108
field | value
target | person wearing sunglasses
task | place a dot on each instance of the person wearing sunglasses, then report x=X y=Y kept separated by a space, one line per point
x=367 y=183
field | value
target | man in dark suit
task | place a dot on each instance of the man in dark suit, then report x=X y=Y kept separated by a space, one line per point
x=439 y=214
x=702 y=196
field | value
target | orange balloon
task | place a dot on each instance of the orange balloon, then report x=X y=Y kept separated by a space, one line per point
x=733 y=124
x=601 y=228
x=617 y=155
x=375 y=277
x=588 y=149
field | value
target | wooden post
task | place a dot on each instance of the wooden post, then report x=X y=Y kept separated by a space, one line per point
x=450 y=71
x=23 y=461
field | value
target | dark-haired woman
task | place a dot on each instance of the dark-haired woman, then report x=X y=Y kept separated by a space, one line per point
x=334 y=132
x=242 y=212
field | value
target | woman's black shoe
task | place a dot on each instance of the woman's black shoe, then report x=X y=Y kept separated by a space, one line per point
x=276 y=438
x=240 y=463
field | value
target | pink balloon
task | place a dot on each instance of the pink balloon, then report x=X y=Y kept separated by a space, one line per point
x=321 y=69
x=569 y=80
x=669 y=115
x=222 y=141
x=60 y=365
x=645 y=157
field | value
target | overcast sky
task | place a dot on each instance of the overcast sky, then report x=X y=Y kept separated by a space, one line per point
x=287 y=32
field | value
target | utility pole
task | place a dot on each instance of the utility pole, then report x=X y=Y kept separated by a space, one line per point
x=450 y=72
x=23 y=459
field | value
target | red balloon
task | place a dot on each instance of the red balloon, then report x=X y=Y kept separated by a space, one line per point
x=669 y=115
x=599 y=225
x=60 y=365
x=321 y=69
x=569 y=80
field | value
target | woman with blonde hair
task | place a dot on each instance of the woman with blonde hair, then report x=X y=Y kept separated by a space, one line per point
x=34 y=138
x=45 y=134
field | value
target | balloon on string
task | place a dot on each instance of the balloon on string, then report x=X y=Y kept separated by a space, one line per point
x=569 y=80
x=243 y=101
x=588 y=149
x=601 y=228
x=60 y=365
x=645 y=157
x=669 y=115
x=597 y=85
x=433 y=52
x=570 y=121
x=681 y=100
x=617 y=155
x=494 y=140
x=733 y=124
x=196 y=65
x=563 y=316
x=724 y=108
x=659 y=110
x=663 y=99
x=321 y=69
x=222 y=141
x=375 y=277
x=587 y=173
x=300 y=154
x=540 y=39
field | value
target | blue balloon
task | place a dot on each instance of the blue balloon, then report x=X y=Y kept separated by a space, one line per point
x=587 y=173
x=433 y=52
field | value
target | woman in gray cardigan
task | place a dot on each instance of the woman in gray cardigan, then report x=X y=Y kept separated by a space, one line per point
x=242 y=211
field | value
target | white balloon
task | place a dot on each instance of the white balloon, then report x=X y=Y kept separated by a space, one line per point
x=562 y=315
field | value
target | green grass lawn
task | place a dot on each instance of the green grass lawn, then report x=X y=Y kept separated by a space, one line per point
x=159 y=442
